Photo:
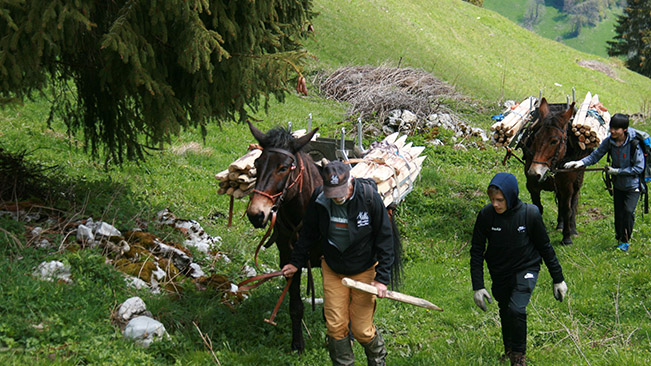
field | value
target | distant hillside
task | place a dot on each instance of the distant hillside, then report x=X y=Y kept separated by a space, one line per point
x=481 y=52
x=555 y=24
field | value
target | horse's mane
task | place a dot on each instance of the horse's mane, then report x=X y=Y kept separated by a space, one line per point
x=279 y=137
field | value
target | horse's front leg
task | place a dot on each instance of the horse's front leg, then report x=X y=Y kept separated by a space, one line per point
x=296 y=313
x=573 y=211
x=565 y=198
x=534 y=191
x=578 y=182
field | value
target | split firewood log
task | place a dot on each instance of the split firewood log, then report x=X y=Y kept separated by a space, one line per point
x=591 y=120
x=506 y=129
x=393 y=164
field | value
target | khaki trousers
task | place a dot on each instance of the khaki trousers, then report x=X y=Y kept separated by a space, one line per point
x=343 y=306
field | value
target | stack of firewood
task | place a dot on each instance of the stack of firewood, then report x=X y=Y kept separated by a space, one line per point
x=514 y=119
x=590 y=123
x=393 y=165
x=239 y=179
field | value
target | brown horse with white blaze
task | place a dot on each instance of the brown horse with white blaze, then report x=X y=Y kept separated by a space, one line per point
x=286 y=178
x=548 y=147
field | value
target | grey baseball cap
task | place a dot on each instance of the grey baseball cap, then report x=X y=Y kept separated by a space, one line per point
x=335 y=179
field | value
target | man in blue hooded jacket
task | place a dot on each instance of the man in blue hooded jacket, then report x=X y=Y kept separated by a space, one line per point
x=626 y=168
x=517 y=241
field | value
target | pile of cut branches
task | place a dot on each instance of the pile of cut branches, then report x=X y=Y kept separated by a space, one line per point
x=375 y=91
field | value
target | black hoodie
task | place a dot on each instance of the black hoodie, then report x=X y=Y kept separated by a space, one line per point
x=517 y=239
x=370 y=234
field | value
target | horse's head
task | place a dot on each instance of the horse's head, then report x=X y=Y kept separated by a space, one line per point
x=550 y=141
x=278 y=170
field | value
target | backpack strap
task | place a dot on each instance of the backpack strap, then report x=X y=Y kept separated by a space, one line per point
x=365 y=188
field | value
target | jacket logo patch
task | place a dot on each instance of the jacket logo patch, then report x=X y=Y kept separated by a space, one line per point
x=496 y=228
x=522 y=229
x=362 y=219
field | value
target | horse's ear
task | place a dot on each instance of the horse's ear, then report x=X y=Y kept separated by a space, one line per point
x=303 y=140
x=569 y=112
x=564 y=118
x=543 y=109
x=259 y=135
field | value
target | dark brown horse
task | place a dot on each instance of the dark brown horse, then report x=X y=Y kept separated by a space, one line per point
x=551 y=144
x=286 y=178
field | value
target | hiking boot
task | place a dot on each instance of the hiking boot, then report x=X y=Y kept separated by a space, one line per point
x=623 y=247
x=375 y=351
x=518 y=359
x=341 y=352
x=506 y=356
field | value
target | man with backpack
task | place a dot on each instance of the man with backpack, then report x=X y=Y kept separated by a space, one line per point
x=625 y=147
x=349 y=221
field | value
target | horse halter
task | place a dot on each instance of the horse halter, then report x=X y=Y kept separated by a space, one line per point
x=278 y=198
x=554 y=158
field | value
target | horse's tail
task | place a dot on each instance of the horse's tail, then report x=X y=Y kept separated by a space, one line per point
x=396 y=267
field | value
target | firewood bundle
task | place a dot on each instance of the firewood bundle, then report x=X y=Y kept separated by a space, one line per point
x=506 y=129
x=239 y=179
x=393 y=165
x=590 y=123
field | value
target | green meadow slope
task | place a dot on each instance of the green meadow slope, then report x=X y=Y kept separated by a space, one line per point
x=555 y=25
x=604 y=321
x=483 y=53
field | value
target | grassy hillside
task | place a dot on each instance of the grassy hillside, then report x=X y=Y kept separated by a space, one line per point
x=555 y=25
x=605 y=320
x=483 y=53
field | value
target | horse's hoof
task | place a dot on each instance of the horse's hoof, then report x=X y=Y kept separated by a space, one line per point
x=566 y=241
x=298 y=348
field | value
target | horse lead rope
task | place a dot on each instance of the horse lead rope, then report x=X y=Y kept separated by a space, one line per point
x=260 y=279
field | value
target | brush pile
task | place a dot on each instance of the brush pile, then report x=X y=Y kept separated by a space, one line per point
x=590 y=123
x=393 y=165
x=514 y=118
x=376 y=91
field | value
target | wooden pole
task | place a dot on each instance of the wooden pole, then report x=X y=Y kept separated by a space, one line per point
x=393 y=295
x=230 y=212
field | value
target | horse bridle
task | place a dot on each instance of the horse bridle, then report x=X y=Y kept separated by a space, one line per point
x=554 y=159
x=278 y=198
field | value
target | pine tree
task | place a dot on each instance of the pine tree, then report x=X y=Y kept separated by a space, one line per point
x=633 y=40
x=131 y=74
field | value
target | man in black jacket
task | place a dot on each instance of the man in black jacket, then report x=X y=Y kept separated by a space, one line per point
x=353 y=228
x=517 y=240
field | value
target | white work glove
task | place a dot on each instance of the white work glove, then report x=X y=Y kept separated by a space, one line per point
x=479 y=298
x=612 y=171
x=574 y=164
x=560 y=289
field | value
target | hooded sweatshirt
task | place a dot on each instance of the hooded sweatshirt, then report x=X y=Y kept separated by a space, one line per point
x=628 y=178
x=517 y=239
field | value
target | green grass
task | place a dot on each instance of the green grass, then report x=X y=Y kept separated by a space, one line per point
x=604 y=321
x=481 y=52
x=555 y=25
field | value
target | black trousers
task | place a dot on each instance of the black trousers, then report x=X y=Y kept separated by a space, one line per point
x=624 y=203
x=513 y=295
